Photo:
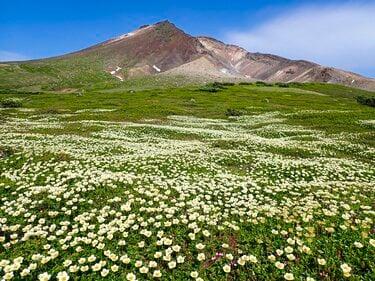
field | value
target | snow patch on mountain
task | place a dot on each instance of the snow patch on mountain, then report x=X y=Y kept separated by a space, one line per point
x=114 y=73
x=156 y=68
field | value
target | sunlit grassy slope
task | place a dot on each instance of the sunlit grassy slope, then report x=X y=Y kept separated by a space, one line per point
x=338 y=109
x=124 y=182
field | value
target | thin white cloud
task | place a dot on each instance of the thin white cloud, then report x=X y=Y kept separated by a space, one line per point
x=12 y=56
x=336 y=35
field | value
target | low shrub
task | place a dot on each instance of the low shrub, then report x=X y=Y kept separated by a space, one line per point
x=282 y=85
x=213 y=87
x=296 y=84
x=51 y=111
x=210 y=89
x=11 y=102
x=6 y=152
x=263 y=84
x=234 y=112
x=369 y=101
x=18 y=92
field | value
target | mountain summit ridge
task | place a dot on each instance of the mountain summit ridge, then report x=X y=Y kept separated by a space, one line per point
x=163 y=48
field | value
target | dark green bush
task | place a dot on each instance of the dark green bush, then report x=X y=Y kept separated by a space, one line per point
x=282 y=85
x=6 y=152
x=369 y=101
x=227 y=84
x=234 y=112
x=50 y=111
x=296 y=84
x=210 y=89
x=18 y=92
x=245 y=83
x=263 y=84
x=215 y=87
x=11 y=102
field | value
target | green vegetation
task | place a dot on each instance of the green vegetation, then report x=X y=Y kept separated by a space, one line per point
x=215 y=87
x=158 y=181
x=370 y=101
x=11 y=102
x=234 y=112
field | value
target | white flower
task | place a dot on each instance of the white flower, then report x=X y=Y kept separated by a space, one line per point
x=114 y=268
x=62 y=276
x=279 y=252
x=288 y=250
x=201 y=257
x=226 y=268
x=152 y=264
x=9 y=276
x=272 y=258
x=67 y=263
x=253 y=259
x=289 y=276
x=279 y=265
x=143 y=269
x=97 y=267
x=241 y=261
x=157 y=274
x=91 y=258
x=84 y=268
x=25 y=272
x=172 y=264
x=194 y=274
x=345 y=268
x=158 y=255
x=322 y=262
x=125 y=259
x=291 y=257
x=200 y=246
x=180 y=259
x=138 y=263
x=44 y=276
x=104 y=272
x=131 y=277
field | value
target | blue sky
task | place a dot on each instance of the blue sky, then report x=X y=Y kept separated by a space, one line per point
x=334 y=33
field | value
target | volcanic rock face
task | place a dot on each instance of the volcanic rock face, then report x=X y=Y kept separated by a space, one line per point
x=163 y=48
x=148 y=50
x=277 y=69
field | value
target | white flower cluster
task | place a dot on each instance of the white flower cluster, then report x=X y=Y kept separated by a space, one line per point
x=139 y=202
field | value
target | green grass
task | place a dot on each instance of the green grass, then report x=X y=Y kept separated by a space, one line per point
x=160 y=103
x=107 y=161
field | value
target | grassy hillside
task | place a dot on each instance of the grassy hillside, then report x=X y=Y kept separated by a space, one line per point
x=53 y=74
x=245 y=182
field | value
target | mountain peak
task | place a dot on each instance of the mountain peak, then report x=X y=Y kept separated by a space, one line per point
x=163 y=47
x=165 y=22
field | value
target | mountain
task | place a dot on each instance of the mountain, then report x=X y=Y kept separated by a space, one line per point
x=163 y=49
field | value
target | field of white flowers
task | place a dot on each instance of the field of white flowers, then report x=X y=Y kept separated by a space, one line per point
x=247 y=198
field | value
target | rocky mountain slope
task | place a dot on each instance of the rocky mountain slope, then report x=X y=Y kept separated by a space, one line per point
x=164 y=49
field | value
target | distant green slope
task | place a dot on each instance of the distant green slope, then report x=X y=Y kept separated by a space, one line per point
x=53 y=74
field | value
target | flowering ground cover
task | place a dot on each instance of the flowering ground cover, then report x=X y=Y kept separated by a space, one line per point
x=279 y=193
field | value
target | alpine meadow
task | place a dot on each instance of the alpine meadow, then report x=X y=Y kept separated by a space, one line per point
x=157 y=155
